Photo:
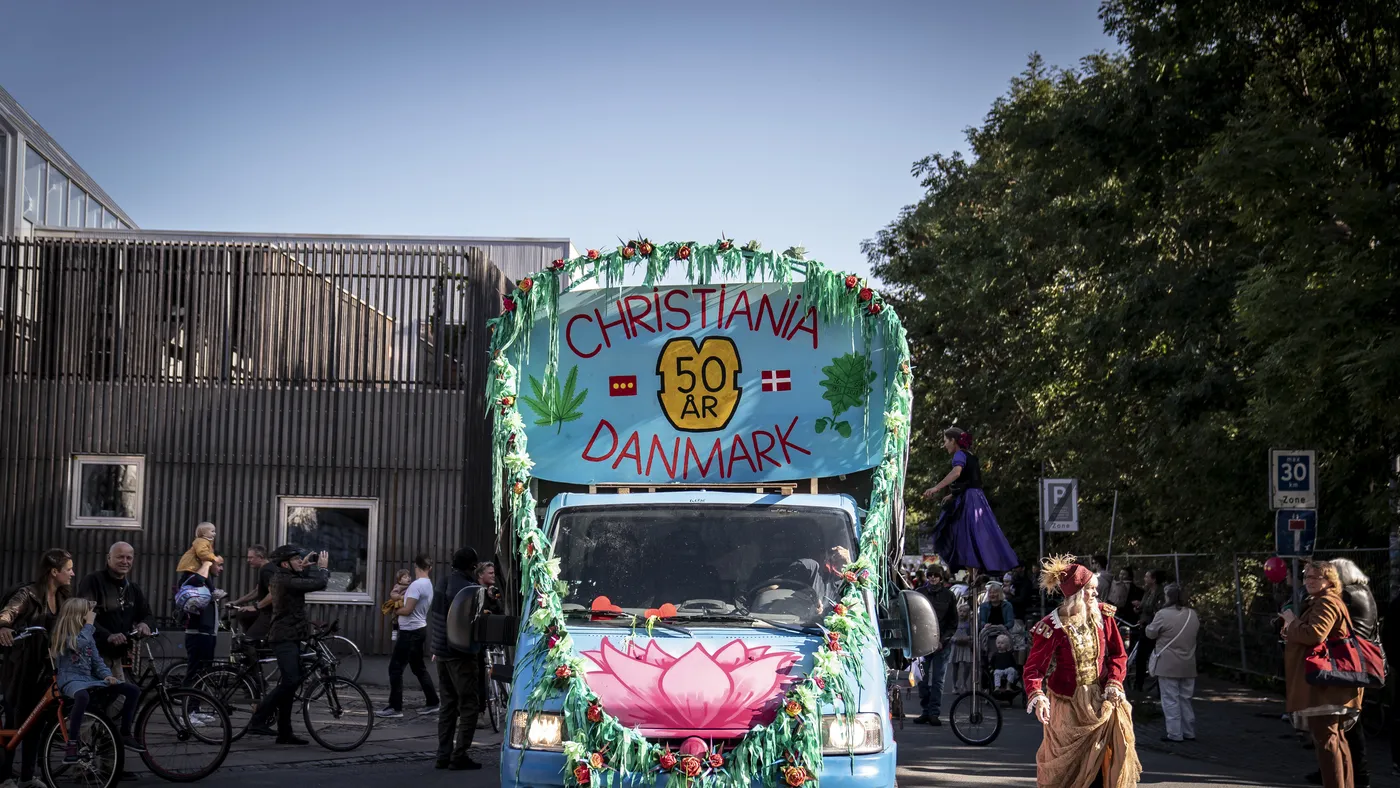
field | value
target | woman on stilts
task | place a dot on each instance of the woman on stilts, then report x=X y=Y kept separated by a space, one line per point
x=967 y=535
x=1074 y=681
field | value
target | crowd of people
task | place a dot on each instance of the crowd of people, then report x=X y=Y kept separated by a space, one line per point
x=92 y=624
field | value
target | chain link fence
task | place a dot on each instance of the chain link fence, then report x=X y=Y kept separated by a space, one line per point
x=1238 y=606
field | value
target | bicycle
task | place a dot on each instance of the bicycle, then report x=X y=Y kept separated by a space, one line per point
x=336 y=711
x=349 y=660
x=497 y=700
x=975 y=715
x=174 y=721
x=101 y=756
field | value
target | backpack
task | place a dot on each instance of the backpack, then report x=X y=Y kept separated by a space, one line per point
x=192 y=599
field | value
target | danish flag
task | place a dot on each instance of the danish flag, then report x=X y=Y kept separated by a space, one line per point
x=777 y=380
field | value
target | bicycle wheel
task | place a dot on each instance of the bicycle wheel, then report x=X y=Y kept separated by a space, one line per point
x=976 y=718
x=337 y=713
x=174 y=674
x=101 y=758
x=186 y=733
x=493 y=694
x=348 y=660
x=235 y=691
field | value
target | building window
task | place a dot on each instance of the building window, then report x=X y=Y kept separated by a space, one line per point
x=34 y=170
x=109 y=222
x=347 y=529
x=77 y=205
x=58 y=198
x=94 y=214
x=107 y=491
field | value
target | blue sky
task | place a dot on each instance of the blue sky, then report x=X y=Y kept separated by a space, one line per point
x=792 y=123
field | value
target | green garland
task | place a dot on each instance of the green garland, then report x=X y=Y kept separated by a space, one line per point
x=601 y=749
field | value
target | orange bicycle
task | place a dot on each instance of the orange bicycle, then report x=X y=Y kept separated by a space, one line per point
x=100 y=754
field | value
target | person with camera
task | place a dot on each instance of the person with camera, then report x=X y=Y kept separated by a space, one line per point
x=294 y=579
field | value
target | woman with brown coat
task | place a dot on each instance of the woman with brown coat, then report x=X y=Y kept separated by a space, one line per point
x=1328 y=710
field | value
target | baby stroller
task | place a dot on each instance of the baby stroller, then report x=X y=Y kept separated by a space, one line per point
x=988 y=644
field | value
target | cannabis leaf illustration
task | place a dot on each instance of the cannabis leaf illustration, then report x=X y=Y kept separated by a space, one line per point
x=555 y=405
x=847 y=385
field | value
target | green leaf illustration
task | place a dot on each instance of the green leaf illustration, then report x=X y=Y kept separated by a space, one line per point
x=847 y=384
x=553 y=404
x=843 y=427
x=821 y=424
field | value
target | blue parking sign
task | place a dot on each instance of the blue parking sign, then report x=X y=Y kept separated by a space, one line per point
x=1295 y=532
x=1293 y=479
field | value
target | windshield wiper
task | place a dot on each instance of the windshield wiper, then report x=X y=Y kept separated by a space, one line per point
x=750 y=618
x=610 y=617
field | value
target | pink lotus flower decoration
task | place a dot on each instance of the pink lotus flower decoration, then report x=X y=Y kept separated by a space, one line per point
x=730 y=690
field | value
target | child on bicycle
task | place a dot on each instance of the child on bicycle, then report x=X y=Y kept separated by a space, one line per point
x=82 y=675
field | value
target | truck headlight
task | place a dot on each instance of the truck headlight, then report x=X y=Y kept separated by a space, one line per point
x=544 y=732
x=862 y=735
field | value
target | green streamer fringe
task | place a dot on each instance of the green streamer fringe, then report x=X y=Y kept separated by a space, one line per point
x=836 y=675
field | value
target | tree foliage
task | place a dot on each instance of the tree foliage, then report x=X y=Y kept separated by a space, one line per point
x=1156 y=266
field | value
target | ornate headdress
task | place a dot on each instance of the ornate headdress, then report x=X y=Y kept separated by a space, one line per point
x=1060 y=572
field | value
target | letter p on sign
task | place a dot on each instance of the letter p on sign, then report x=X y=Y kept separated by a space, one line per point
x=1059 y=504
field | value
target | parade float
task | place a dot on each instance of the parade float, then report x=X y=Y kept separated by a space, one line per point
x=701 y=486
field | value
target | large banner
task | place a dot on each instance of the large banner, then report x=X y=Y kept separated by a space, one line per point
x=701 y=384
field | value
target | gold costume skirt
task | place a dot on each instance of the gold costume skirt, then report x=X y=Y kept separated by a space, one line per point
x=1087 y=737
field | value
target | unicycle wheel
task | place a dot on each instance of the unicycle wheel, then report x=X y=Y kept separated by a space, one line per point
x=975 y=718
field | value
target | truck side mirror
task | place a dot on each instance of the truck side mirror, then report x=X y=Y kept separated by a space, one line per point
x=913 y=629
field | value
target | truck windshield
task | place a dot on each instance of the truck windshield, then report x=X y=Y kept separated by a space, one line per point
x=704 y=564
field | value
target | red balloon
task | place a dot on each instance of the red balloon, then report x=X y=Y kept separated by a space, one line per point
x=1276 y=570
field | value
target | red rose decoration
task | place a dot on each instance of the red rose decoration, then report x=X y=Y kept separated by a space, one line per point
x=667 y=760
x=794 y=776
x=725 y=246
x=793 y=708
x=526 y=284
x=839 y=610
x=628 y=252
x=851 y=281
x=876 y=308
x=820 y=682
x=508 y=303
x=690 y=766
x=866 y=294
x=596 y=760
x=849 y=577
x=646 y=248
x=558 y=265
x=595 y=713
x=833 y=642
x=716 y=761
x=864 y=574
x=507 y=400
x=518 y=488
x=592 y=254
x=583 y=776
x=683 y=253
x=563 y=672
x=530 y=550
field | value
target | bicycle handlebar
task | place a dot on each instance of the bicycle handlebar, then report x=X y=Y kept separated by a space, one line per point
x=29 y=632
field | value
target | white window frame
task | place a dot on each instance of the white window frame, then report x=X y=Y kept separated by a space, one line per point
x=366 y=597
x=75 y=495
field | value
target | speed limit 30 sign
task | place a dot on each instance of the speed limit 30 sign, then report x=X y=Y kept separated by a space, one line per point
x=1293 y=479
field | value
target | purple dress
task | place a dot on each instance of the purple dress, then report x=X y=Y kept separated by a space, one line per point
x=967 y=533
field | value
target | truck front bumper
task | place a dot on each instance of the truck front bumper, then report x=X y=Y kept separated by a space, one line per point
x=546 y=769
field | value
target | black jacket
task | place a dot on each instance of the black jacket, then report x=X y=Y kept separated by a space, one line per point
x=443 y=595
x=289 y=590
x=945 y=607
x=1361 y=604
x=121 y=605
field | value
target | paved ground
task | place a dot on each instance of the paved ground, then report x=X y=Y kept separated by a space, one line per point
x=1242 y=742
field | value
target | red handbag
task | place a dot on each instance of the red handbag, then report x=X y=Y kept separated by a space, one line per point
x=1350 y=661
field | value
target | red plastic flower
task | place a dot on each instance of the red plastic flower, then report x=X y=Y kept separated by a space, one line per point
x=876 y=308
x=795 y=776
x=526 y=284
x=866 y=294
x=716 y=760
x=583 y=776
x=595 y=713
x=563 y=672
x=820 y=682
x=646 y=248
x=628 y=252
x=592 y=254
x=839 y=610
x=518 y=488
x=725 y=245
x=851 y=281
x=596 y=760
x=507 y=401
x=864 y=575
x=558 y=265
x=849 y=577
x=690 y=766
x=667 y=760
x=554 y=641
x=508 y=303
x=833 y=642
x=793 y=708
x=683 y=253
